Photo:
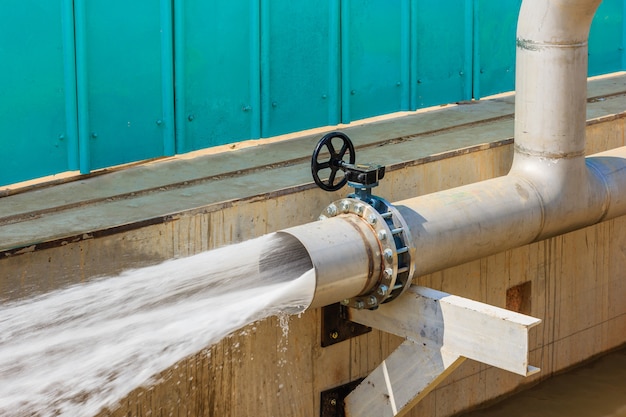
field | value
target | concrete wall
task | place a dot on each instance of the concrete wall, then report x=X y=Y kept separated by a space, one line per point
x=577 y=285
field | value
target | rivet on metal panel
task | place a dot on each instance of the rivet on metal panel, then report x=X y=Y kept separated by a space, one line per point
x=190 y=117
x=246 y=108
x=274 y=104
x=61 y=136
x=94 y=135
x=419 y=81
x=398 y=84
x=353 y=92
x=159 y=122
x=324 y=96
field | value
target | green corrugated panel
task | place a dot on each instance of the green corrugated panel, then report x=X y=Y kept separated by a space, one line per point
x=376 y=51
x=243 y=69
x=300 y=65
x=442 y=53
x=606 y=43
x=217 y=72
x=124 y=114
x=33 y=133
x=495 y=25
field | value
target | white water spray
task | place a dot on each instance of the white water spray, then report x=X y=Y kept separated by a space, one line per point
x=78 y=350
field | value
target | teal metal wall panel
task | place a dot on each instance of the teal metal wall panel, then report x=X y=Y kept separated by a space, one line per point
x=606 y=41
x=123 y=116
x=441 y=53
x=217 y=48
x=300 y=65
x=33 y=132
x=376 y=57
x=495 y=25
x=87 y=84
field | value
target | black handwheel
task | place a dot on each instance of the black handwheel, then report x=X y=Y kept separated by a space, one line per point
x=335 y=163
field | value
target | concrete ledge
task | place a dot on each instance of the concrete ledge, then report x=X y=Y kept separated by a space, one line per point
x=152 y=193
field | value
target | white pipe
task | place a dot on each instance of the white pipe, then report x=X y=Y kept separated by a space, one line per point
x=551 y=188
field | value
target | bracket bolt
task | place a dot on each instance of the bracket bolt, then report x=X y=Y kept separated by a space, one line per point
x=388 y=254
x=388 y=272
x=382 y=235
x=345 y=302
x=359 y=209
x=345 y=206
x=333 y=402
x=334 y=335
x=372 y=301
x=371 y=219
x=359 y=305
x=332 y=210
x=382 y=290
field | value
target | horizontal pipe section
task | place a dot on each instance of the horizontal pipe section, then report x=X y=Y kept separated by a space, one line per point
x=466 y=223
x=454 y=226
x=345 y=254
x=551 y=188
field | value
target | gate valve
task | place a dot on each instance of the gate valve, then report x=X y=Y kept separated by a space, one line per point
x=394 y=259
x=362 y=177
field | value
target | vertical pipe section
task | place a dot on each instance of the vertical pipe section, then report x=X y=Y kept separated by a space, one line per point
x=69 y=76
x=551 y=77
x=550 y=112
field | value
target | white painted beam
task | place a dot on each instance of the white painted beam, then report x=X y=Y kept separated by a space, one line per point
x=441 y=330
x=402 y=380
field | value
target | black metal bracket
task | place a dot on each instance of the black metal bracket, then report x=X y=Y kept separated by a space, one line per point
x=332 y=400
x=336 y=327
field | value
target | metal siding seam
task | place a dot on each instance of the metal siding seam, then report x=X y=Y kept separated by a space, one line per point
x=167 y=78
x=265 y=31
x=476 y=50
x=470 y=67
x=623 y=40
x=413 y=31
x=405 y=54
x=82 y=91
x=334 y=62
x=345 y=61
x=69 y=76
x=255 y=68
x=180 y=131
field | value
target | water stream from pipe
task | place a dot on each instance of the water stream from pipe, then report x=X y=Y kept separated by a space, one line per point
x=75 y=351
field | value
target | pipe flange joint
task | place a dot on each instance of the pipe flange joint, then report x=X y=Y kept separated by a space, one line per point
x=396 y=255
